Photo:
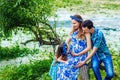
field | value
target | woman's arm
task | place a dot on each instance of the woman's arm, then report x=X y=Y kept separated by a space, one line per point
x=68 y=41
x=88 y=40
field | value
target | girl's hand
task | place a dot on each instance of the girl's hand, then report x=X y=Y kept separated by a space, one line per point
x=60 y=60
x=66 y=62
x=74 y=54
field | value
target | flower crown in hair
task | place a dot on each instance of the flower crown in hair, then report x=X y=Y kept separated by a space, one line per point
x=75 y=18
x=64 y=49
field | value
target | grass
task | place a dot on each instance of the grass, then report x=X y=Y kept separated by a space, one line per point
x=15 y=51
x=38 y=70
x=33 y=71
x=96 y=6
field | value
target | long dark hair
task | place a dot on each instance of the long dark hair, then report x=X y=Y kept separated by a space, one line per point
x=60 y=51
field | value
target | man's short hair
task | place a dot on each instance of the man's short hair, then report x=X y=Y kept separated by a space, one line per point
x=88 y=24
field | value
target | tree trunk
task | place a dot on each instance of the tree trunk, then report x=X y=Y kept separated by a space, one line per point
x=84 y=71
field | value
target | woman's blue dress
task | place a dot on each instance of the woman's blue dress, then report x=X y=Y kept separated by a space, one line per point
x=67 y=71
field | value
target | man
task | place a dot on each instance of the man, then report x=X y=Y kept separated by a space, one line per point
x=100 y=53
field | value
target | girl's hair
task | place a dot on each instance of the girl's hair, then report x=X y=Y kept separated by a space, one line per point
x=61 y=51
x=80 y=34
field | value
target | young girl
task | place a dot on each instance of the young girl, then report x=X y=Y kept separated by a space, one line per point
x=61 y=57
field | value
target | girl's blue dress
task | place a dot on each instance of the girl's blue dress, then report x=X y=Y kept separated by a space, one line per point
x=53 y=70
x=67 y=71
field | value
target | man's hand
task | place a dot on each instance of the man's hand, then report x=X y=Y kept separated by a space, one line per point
x=80 y=64
x=74 y=54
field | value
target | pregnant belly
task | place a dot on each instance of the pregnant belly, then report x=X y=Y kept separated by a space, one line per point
x=78 y=49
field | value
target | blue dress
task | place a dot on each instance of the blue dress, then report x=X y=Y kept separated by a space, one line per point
x=53 y=70
x=67 y=71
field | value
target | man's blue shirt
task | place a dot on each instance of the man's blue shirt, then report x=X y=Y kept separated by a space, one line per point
x=98 y=40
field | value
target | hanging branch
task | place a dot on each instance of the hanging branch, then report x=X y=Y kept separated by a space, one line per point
x=52 y=41
x=50 y=28
x=32 y=40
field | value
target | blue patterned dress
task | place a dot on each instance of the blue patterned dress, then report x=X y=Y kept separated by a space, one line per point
x=67 y=71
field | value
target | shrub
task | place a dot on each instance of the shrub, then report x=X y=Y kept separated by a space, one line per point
x=33 y=71
x=13 y=52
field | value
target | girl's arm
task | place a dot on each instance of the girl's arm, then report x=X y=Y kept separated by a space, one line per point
x=88 y=40
x=60 y=60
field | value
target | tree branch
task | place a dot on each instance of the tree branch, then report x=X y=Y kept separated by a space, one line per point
x=51 y=29
x=24 y=43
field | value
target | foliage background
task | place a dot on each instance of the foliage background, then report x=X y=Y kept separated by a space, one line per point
x=31 y=17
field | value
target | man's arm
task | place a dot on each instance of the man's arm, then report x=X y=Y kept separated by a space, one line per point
x=81 y=63
x=91 y=54
x=97 y=43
